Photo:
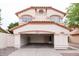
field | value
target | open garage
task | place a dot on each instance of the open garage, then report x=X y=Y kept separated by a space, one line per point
x=37 y=40
x=47 y=33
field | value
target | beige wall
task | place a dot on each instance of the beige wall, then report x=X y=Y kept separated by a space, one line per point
x=53 y=12
x=49 y=13
x=17 y=40
x=6 y=40
x=52 y=28
x=39 y=17
x=29 y=12
x=61 y=41
x=74 y=39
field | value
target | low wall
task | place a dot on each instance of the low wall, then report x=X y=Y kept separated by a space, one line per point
x=6 y=40
x=74 y=39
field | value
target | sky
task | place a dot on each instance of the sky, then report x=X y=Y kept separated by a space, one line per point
x=10 y=7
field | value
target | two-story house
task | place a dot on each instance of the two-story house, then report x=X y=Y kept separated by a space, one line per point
x=42 y=25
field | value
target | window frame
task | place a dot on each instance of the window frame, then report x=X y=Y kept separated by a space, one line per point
x=26 y=18
x=52 y=16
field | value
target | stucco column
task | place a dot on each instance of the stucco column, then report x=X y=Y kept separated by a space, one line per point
x=17 y=41
x=60 y=41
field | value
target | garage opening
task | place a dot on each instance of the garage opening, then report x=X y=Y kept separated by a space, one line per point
x=37 y=40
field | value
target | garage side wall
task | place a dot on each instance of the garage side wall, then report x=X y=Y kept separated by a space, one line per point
x=17 y=40
x=60 y=41
x=24 y=40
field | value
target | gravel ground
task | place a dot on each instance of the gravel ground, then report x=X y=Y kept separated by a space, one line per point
x=7 y=51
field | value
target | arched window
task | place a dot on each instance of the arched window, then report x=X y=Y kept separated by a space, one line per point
x=55 y=18
x=26 y=18
x=41 y=11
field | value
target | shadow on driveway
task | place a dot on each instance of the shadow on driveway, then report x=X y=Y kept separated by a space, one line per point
x=7 y=51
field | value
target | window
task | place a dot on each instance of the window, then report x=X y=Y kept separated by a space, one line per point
x=41 y=11
x=26 y=18
x=55 y=18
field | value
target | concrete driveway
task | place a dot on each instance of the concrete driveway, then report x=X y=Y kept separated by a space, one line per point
x=35 y=52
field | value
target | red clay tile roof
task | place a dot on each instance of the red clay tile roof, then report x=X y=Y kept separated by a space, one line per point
x=41 y=23
x=40 y=7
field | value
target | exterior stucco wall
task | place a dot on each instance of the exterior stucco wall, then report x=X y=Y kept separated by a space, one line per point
x=74 y=39
x=29 y=12
x=52 y=28
x=17 y=41
x=53 y=12
x=6 y=40
x=36 y=16
x=60 y=41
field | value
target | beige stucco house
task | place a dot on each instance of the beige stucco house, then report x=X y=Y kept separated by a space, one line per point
x=41 y=25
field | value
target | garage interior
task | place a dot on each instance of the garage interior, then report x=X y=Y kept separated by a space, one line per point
x=37 y=40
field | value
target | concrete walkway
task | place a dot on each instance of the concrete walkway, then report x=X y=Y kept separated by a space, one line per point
x=35 y=52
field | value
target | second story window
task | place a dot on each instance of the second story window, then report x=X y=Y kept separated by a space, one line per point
x=55 y=18
x=26 y=18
